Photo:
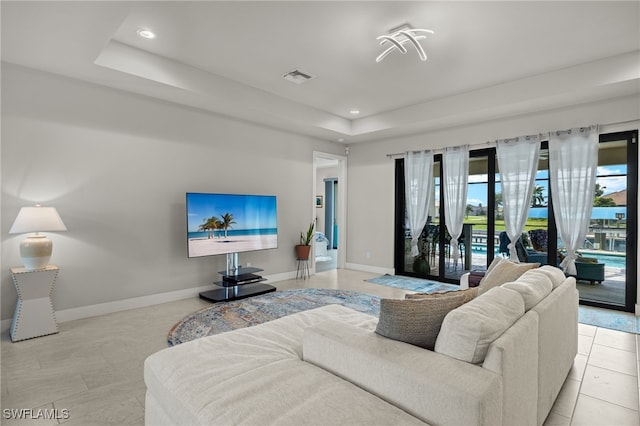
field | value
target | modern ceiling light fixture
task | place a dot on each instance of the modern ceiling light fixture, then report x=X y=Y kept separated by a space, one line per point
x=400 y=36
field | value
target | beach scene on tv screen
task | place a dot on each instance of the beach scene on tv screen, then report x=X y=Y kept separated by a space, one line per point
x=230 y=223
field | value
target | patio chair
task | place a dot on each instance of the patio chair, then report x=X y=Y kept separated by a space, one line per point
x=524 y=255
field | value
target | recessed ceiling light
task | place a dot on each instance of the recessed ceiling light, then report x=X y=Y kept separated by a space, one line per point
x=340 y=139
x=354 y=111
x=146 y=33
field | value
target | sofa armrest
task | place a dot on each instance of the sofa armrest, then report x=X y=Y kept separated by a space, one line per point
x=464 y=280
x=557 y=342
x=432 y=387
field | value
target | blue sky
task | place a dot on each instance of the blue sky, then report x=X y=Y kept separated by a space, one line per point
x=249 y=211
x=477 y=193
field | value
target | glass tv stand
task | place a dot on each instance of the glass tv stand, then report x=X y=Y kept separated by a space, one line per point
x=237 y=283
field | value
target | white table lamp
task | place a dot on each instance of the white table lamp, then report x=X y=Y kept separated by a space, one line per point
x=36 y=249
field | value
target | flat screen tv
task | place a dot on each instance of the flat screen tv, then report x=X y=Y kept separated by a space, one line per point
x=230 y=223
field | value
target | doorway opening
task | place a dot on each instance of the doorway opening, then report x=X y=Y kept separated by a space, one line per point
x=329 y=183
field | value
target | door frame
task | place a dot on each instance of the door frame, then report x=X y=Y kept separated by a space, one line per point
x=341 y=211
x=631 y=274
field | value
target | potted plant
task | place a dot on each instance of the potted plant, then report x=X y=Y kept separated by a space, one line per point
x=421 y=261
x=304 y=248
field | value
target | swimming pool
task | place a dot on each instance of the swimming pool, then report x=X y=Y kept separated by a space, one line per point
x=610 y=260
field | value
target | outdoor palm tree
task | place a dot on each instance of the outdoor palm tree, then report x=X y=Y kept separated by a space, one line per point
x=498 y=205
x=537 y=198
x=227 y=221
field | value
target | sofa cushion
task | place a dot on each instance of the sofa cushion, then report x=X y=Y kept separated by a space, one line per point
x=581 y=259
x=467 y=331
x=469 y=294
x=556 y=275
x=505 y=271
x=212 y=380
x=435 y=388
x=416 y=321
x=494 y=262
x=533 y=286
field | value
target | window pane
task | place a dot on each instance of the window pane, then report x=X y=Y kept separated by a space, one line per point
x=601 y=275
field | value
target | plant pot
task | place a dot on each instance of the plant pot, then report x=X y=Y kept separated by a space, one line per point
x=421 y=266
x=302 y=252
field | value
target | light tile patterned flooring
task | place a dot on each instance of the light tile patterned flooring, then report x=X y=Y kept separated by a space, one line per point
x=93 y=367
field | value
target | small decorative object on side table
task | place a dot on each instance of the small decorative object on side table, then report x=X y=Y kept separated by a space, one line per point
x=35 y=250
x=34 y=315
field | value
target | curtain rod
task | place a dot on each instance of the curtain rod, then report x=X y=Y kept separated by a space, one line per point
x=441 y=150
x=491 y=143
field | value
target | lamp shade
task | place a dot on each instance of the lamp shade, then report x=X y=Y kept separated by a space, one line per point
x=37 y=219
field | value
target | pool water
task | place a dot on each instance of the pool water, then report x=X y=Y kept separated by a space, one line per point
x=611 y=261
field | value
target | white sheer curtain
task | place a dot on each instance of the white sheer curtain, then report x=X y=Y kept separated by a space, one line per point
x=573 y=163
x=418 y=183
x=518 y=162
x=455 y=168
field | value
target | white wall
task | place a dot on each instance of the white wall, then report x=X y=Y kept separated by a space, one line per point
x=117 y=167
x=371 y=172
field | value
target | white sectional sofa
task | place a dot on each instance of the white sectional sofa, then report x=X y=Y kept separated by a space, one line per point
x=327 y=366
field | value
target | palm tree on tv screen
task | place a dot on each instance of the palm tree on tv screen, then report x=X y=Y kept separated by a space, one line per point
x=209 y=225
x=216 y=225
x=227 y=221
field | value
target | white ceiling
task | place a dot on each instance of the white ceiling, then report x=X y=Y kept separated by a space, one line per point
x=486 y=59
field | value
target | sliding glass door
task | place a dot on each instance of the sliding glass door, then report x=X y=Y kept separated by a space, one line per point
x=427 y=263
x=476 y=243
x=607 y=270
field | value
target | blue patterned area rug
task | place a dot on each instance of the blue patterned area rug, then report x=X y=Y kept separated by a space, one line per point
x=605 y=318
x=413 y=284
x=229 y=316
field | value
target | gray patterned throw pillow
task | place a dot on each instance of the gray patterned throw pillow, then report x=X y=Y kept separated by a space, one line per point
x=415 y=321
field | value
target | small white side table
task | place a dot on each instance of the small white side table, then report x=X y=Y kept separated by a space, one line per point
x=34 y=315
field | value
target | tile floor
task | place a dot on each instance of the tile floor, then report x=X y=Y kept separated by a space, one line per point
x=93 y=367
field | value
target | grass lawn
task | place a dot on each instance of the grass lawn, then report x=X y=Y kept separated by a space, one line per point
x=480 y=223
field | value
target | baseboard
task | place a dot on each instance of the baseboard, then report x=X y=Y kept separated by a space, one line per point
x=127 y=304
x=369 y=268
x=280 y=277
x=137 y=302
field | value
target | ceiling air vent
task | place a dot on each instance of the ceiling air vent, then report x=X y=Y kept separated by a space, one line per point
x=297 y=76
